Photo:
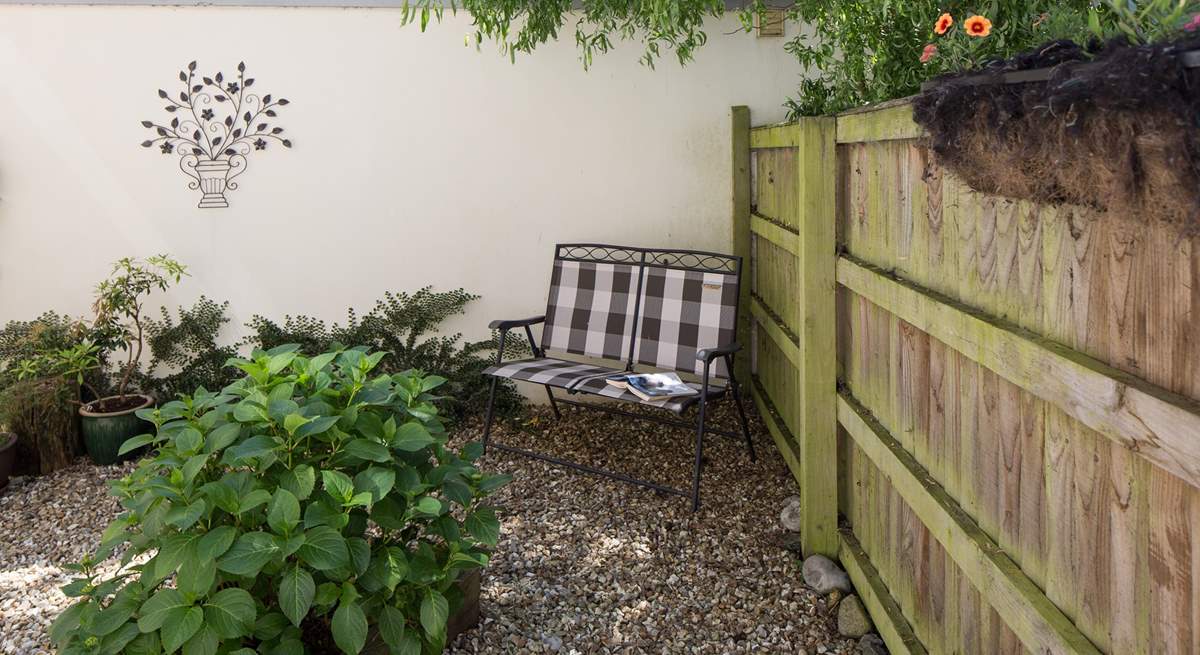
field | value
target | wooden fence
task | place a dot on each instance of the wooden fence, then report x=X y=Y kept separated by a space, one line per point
x=989 y=406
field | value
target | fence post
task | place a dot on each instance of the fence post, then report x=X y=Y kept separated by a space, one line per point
x=816 y=166
x=740 y=167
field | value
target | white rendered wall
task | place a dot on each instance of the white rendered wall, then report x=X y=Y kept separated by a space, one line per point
x=416 y=161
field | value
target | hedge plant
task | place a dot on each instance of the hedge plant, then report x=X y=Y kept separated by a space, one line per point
x=310 y=502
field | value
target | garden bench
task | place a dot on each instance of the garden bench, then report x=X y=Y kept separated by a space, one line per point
x=673 y=310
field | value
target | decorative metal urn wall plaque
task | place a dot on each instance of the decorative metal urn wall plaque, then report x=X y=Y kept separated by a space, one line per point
x=215 y=123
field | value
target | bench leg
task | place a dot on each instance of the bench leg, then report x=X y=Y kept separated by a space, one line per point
x=553 y=402
x=737 y=399
x=699 y=458
x=491 y=413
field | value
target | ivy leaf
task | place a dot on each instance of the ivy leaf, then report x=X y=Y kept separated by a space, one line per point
x=296 y=592
x=349 y=627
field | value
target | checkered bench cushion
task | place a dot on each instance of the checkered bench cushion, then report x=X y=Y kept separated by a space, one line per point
x=600 y=387
x=590 y=309
x=682 y=312
x=547 y=370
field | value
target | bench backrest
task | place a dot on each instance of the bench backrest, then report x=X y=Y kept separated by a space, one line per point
x=649 y=306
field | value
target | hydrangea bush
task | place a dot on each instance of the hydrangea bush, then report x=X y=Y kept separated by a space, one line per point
x=309 y=502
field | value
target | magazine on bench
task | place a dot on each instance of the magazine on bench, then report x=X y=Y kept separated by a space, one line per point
x=652 y=386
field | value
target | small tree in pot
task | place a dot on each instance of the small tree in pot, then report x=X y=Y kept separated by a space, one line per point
x=108 y=422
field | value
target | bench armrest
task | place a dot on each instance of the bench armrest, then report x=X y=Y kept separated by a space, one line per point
x=709 y=354
x=515 y=323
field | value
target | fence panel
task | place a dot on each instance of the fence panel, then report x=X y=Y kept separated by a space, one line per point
x=1018 y=462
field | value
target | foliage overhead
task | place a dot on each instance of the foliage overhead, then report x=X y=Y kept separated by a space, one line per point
x=520 y=26
x=310 y=501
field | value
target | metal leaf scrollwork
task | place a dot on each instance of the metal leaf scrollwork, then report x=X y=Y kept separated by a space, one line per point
x=214 y=124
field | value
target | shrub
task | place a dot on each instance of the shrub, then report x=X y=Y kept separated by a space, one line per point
x=42 y=413
x=21 y=341
x=401 y=324
x=312 y=499
x=184 y=354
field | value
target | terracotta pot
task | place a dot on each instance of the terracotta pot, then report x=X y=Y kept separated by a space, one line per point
x=103 y=433
x=214 y=175
x=8 y=455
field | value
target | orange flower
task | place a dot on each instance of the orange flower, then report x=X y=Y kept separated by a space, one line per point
x=978 y=26
x=943 y=23
x=928 y=53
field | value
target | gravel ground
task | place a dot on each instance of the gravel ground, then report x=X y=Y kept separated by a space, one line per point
x=585 y=564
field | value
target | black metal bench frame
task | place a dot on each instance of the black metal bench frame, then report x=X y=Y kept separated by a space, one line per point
x=689 y=260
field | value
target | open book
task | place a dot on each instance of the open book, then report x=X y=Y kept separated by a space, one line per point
x=652 y=386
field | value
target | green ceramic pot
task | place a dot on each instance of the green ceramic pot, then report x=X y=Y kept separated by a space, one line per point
x=104 y=432
x=8 y=456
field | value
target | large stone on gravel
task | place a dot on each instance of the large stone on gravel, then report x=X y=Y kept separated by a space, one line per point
x=852 y=618
x=824 y=576
x=790 y=516
x=872 y=644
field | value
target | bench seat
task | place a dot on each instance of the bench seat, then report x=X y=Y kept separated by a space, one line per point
x=577 y=377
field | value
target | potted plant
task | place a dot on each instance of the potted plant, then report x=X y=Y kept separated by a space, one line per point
x=108 y=422
x=304 y=508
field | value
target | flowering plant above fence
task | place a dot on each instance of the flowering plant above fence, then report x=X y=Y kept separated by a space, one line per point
x=215 y=123
x=961 y=47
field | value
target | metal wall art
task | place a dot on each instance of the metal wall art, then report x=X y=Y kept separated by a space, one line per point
x=215 y=123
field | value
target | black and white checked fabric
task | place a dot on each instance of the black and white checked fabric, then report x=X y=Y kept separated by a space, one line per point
x=590 y=309
x=682 y=312
x=547 y=370
x=600 y=387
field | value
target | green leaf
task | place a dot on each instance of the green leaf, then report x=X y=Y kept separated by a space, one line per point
x=338 y=485
x=231 y=612
x=68 y=621
x=222 y=495
x=145 y=644
x=327 y=594
x=254 y=447
x=483 y=525
x=215 y=542
x=368 y=450
x=283 y=514
x=189 y=441
x=154 y=611
x=293 y=422
x=180 y=625
x=254 y=499
x=430 y=505
x=196 y=575
x=360 y=554
x=206 y=641
x=249 y=554
x=457 y=491
x=115 y=615
x=411 y=437
x=435 y=612
x=249 y=411
x=221 y=437
x=184 y=517
x=279 y=362
x=391 y=626
x=135 y=443
x=349 y=628
x=376 y=480
x=300 y=481
x=388 y=568
x=296 y=592
x=324 y=549
x=115 y=642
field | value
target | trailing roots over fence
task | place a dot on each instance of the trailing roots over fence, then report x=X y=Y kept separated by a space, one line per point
x=1119 y=132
